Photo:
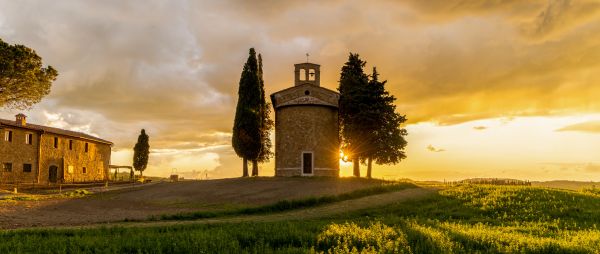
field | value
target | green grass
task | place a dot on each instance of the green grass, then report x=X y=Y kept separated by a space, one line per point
x=460 y=219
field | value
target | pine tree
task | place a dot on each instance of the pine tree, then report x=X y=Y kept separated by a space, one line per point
x=141 y=152
x=23 y=79
x=246 y=138
x=352 y=88
x=266 y=123
x=385 y=141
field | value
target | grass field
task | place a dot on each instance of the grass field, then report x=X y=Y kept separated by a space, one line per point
x=458 y=219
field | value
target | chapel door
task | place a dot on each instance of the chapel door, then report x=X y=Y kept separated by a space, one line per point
x=53 y=174
x=307 y=163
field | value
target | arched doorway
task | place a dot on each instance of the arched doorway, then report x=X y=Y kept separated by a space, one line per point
x=53 y=174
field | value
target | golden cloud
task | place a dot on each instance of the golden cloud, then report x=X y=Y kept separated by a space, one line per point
x=591 y=127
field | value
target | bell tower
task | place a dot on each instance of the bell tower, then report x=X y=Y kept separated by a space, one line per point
x=307 y=73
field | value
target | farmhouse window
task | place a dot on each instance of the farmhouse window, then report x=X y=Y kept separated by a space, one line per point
x=86 y=147
x=29 y=138
x=8 y=136
x=55 y=142
x=26 y=168
x=70 y=144
x=7 y=167
x=84 y=170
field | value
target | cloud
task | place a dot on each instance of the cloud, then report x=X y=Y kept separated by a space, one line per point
x=434 y=149
x=174 y=68
x=479 y=128
x=589 y=127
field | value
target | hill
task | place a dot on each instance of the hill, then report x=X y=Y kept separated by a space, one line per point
x=459 y=219
x=165 y=198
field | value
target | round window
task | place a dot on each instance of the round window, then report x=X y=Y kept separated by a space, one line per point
x=306 y=92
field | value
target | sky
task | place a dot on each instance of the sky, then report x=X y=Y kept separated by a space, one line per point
x=490 y=88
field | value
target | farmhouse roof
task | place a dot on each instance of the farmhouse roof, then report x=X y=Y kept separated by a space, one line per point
x=46 y=129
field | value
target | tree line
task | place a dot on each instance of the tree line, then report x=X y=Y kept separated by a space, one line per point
x=370 y=128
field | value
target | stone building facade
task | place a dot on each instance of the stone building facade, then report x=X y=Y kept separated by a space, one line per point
x=38 y=154
x=306 y=126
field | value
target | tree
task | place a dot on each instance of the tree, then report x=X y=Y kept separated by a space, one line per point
x=23 y=79
x=352 y=88
x=246 y=138
x=266 y=122
x=385 y=141
x=141 y=152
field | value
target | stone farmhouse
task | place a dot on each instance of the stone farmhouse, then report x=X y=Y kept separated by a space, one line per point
x=38 y=154
x=306 y=126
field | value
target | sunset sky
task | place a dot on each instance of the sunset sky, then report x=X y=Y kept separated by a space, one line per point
x=490 y=88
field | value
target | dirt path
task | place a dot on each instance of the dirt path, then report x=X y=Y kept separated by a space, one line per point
x=140 y=202
x=309 y=213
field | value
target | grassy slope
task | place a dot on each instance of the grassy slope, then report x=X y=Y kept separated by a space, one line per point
x=488 y=219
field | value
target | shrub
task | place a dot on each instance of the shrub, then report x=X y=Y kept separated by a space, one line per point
x=350 y=238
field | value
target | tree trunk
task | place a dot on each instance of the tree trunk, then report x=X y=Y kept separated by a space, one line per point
x=369 y=166
x=245 y=167
x=357 y=167
x=254 y=168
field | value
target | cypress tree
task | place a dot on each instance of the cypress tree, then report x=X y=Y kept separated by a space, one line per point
x=385 y=141
x=246 y=138
x=141 y=152
x=266 y=123
x=352 y=87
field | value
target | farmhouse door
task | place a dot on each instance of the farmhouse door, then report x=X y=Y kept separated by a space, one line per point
x=53 y=174
x=307 y=163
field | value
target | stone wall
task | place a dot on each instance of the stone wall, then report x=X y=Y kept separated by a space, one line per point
x=71 y=161
x=18 y=152
x=306 y=128
x=317 y=94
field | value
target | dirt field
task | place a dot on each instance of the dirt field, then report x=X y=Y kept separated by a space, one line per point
x=168 y=198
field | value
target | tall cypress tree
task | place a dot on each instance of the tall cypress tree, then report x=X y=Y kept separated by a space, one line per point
x=352 y=88
x=141 y=152
x=266 y=123
x=246 y=138
x=385 y=141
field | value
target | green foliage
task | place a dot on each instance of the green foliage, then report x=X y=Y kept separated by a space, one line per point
x=23 y=79
x=460 y=219
x=351 y=238
x=388 y=135
x=141 y=152
x=352 y=88
x=370 y=128
x=384 y=142
x=246 y=138
x=267 y=123
x=353 y=82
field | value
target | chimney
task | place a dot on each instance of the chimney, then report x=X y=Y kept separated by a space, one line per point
x=21 y=119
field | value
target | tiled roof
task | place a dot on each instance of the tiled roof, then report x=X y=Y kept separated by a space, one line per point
x=40 y=128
